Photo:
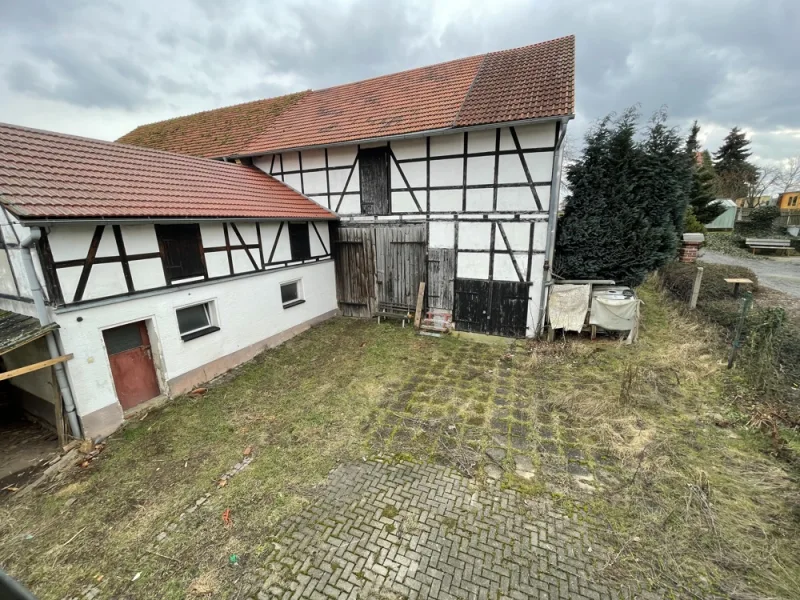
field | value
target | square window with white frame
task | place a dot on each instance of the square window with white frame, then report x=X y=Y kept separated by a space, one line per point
x=196 y=320
x=292 y=293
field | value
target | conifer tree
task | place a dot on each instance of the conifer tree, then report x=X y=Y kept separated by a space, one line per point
x=732 y=168
x=627 y=204
x=702 y=189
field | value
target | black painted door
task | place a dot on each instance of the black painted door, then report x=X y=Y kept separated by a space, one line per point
x=509 y=308
x=491 y=307
x=472 y=304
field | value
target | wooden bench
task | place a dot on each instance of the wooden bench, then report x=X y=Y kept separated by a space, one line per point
x=768 y=244
x=387 y=310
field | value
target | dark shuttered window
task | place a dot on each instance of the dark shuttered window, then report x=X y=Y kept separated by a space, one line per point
x=373 y=168
x=181 y=251
x=298 y=241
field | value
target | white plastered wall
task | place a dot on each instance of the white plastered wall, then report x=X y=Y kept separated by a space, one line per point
x=248 y=310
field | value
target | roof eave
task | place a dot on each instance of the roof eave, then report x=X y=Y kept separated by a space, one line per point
x=401 y=136
x=30 y=221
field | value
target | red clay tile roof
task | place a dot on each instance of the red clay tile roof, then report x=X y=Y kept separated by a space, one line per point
x=415 y=100
x=51 y=175
x=531 y=82
x=213 y=133
x=526 y=83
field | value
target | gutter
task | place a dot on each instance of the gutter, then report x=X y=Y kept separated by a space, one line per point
x=44 y=319
x=402 y=136
x=552 y=220
x=49 y=221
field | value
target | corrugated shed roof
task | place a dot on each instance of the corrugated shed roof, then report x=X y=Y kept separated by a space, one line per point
x=17 y=330
x=212 y=133
x=52 y=175
x=531 y=82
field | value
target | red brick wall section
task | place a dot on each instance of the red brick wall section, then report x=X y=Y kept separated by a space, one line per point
x=688 y=252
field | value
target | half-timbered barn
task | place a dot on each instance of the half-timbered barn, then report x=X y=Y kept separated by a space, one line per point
x=447 y=174
x=153 y=271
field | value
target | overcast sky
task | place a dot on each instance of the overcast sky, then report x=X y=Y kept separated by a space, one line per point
x=99 y=69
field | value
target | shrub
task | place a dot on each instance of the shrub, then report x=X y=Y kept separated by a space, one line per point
x=679 y=277
x=691 y=224
x=762 y=217
x=760 y=222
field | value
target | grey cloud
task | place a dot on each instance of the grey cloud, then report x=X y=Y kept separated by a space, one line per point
x=87 y=81
x=723 y=63
x=328 y=44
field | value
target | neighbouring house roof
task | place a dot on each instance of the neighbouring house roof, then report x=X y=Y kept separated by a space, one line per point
x=532 y=82
x=726 y=202
x=17 y=330
x=212 y=133
x=54 y=176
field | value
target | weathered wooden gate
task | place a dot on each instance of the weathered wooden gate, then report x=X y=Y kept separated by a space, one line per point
x=354 y=253
x=441 y=273
x=381 y=264
x=401 y=256
x=491 y=307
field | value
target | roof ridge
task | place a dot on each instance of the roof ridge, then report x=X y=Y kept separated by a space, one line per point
x=210 y=110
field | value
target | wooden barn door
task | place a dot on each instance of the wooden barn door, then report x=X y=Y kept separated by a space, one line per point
x=354 y=253
x=402 y=259
x=441 y=273
x=131 y=359
x=491 y=307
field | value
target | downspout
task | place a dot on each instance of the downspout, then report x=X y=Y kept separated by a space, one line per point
x=552 y=221
x=44 y=318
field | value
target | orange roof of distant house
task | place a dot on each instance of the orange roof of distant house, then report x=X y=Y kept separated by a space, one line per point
x=46 y=175
x=532 y=82
x=213 y=133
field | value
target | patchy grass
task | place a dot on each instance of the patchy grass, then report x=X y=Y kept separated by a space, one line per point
x=626 y=437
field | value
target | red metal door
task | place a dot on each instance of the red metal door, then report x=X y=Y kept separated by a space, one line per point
x=131 y=361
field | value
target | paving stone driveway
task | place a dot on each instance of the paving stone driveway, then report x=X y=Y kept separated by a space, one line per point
x=408 y=530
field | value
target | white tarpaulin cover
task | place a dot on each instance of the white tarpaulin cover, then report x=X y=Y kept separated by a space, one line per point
x=613 y=314
x=568 y=305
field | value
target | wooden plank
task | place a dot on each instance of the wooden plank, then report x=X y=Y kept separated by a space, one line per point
x=60 y=429
x=420 y=298
x=35 y=367
x=737 y=280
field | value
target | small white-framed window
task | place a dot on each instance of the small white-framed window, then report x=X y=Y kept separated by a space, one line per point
x=196 y=320
x=292 y=293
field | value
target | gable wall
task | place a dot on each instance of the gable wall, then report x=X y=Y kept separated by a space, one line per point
x=474 y=172
x=474 y=190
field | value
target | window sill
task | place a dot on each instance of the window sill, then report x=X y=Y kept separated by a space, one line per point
x=293 y=303
x=199 y=333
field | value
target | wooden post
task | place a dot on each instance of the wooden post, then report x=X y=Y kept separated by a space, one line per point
x=696 y=288
x=59 y=406
x=420 y=299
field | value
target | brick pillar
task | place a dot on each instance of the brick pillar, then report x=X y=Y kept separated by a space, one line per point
x=690 y=247
x=688 y=252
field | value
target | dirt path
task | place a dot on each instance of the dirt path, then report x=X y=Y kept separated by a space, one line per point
x=782 y=274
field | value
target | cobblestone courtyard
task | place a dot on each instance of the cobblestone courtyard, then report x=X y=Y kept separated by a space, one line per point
x=424 y=531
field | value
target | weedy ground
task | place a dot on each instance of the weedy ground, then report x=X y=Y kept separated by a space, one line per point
x=646 y=442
